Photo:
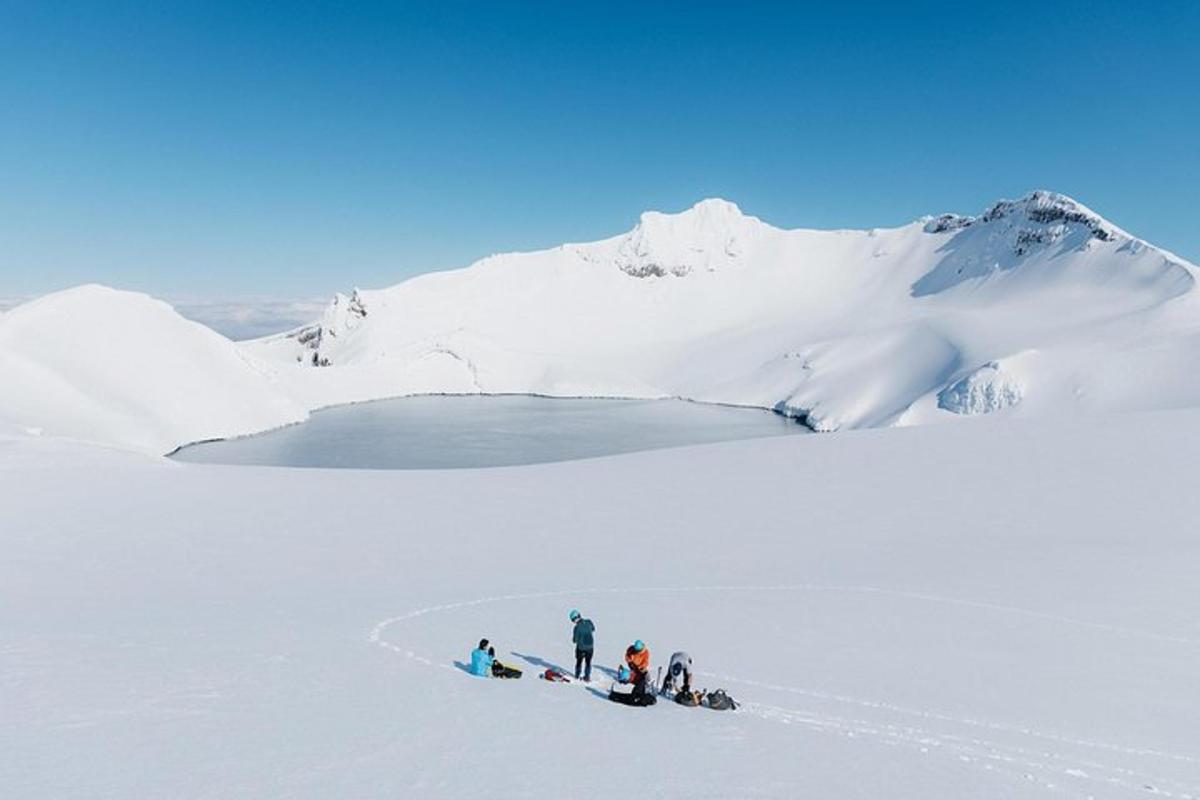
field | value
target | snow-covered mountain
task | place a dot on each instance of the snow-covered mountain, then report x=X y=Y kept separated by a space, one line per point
x=121 y=368
x=1036 y=306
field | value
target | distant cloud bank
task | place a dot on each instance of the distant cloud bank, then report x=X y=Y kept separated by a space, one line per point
x=237 y=318
x=250 y=317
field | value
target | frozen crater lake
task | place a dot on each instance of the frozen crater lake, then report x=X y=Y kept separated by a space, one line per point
x=446 y=432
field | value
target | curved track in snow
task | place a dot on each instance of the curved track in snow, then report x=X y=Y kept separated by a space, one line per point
x=1036 y=760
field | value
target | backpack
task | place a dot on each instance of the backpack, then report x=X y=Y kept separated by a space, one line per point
x=719 y=701
x=555 y=676
x=690 y=699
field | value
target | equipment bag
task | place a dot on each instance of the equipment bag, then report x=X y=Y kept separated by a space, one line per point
x=719 y=701
x=690 y=699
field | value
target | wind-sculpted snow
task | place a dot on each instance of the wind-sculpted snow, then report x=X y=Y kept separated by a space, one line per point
x=987 y=389
x=850 y=383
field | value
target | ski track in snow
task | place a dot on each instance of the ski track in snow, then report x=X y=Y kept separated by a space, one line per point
x=1052 y=771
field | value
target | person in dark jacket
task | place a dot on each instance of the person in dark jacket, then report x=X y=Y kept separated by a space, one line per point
x=585 y=645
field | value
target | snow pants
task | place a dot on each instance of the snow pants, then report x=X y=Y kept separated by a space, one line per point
x=634 y=698
x=583 y=660
x=501 y=671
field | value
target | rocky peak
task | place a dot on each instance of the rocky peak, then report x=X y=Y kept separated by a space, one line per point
x=710 y=234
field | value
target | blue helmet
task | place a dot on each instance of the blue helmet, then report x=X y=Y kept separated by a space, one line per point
x=623 y=673
x=574 y=615
x=639 y=646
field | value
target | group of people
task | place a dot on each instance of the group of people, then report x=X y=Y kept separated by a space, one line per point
x=633 y=677
x=633 y=684
x=635 y=672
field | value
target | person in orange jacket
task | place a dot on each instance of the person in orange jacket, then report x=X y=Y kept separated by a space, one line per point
x=637 y=658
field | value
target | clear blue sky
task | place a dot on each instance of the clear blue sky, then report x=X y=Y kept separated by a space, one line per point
x=294 y=148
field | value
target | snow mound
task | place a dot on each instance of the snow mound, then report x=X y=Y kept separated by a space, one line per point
x=985 y=390
x=123 y=369
x=852 y=383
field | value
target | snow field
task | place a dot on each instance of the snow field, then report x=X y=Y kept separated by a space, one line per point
x=996 y=609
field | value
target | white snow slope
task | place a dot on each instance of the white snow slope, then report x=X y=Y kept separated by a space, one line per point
x=120 y=368
x=997 y=610
x=1037 y=306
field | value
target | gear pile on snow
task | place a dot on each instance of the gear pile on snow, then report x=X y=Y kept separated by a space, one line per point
x=719 y=701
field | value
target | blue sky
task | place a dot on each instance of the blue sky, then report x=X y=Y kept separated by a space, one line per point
x=294 y=149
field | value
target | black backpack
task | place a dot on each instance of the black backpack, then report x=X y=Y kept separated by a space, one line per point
x=719 y=701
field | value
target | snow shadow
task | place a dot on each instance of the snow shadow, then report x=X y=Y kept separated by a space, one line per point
x=538 y=661
x=612 y=673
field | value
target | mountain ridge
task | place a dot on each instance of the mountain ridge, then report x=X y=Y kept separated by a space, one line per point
x=1034 y=307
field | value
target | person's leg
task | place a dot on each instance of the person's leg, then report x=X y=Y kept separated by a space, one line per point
x=587 y=665
x=578 y=661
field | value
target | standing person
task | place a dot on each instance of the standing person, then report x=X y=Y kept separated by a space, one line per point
x=585 y=644
x=637 y=658
x=679 y=674
x=481 y=661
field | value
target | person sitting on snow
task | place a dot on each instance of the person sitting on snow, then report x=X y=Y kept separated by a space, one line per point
x=679 y=674
x=481 y=662
x=637 y=658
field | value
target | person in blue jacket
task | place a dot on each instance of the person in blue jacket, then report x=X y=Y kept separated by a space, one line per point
x=481 y=662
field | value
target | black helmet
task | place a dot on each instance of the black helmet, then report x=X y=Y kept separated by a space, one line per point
x=483 y=643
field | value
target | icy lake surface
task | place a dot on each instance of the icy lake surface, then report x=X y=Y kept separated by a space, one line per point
x=443 y=432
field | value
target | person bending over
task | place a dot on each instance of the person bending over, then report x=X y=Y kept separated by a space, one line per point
x=679 y=674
